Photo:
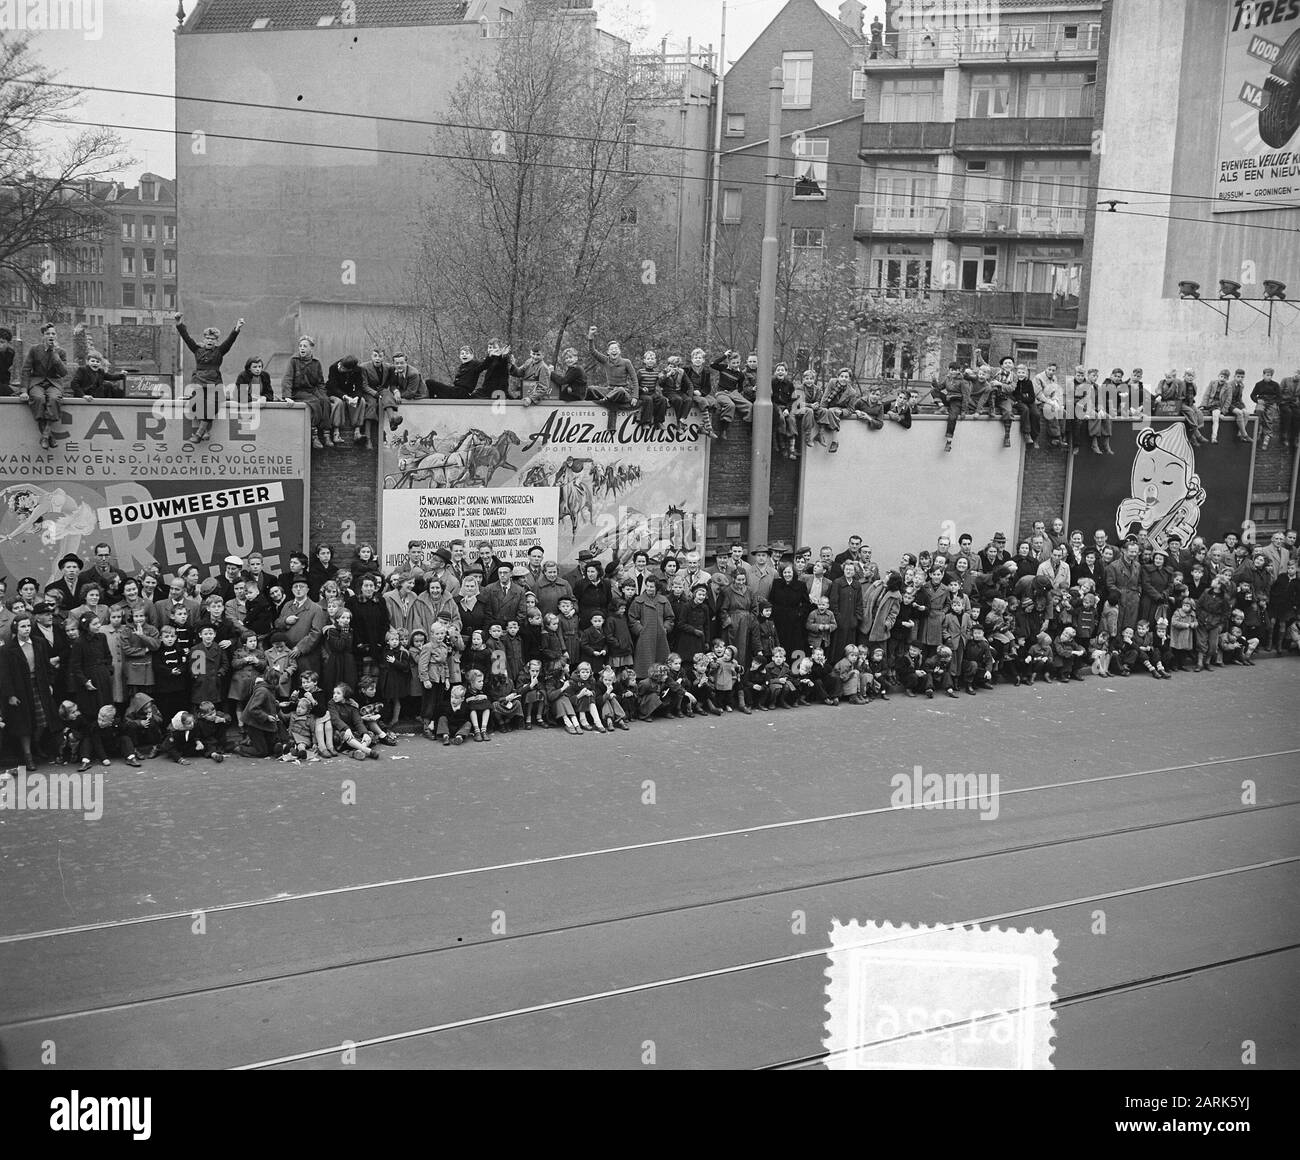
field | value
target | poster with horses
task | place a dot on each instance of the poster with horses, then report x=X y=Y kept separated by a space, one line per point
x=614 y=492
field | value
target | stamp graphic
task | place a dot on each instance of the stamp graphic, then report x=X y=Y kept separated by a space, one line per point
x=939 y=997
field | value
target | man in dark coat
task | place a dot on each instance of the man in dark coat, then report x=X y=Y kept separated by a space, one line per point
x=1124 y=584
x=72 y=583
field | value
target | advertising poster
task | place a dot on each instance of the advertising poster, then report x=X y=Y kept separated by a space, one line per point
x=126 y=473
x=513 y=521
x=609 y=492
x=1157 y=482
x=1258 y=163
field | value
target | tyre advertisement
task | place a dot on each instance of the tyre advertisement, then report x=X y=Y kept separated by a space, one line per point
x=1258 y=163
x=126 y=473
x=1157 y=482
x=610 y=492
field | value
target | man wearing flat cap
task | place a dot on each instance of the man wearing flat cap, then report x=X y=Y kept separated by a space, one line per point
x=440 y=568
x=231 y=581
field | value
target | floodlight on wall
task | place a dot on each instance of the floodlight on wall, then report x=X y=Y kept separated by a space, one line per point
x=1229 y=288
x=1189 y=289
x=1230 y=293
x=1274 y=291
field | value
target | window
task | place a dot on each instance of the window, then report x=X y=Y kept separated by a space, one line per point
x=1053 y=186
x=979 y=267
x=505 y=15
x=966 y=352
x=898 y=360
x=858 y=86
x=149 y=229
x=149 y=297
x=810 y=167
x=732 y=202
x=128 y=229
x=1059 y=94
x=129 y=320
x=147 y=193
x=797 y=67
x=911 y=99
x=807 y=252
x=735 y=125
x=128 y=263
x=150 y=263
x=169 y=297
x=900 y=276
x=1025 y=350
x=169 y=231
x=990 y=95
x=169 y=264
x=1081 y=38
x=1022 y=37
x=905 y=196
x=128 y=294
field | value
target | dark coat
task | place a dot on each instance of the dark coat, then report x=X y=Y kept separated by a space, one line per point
x=790 y=612
x=846 y=604
x=18 y=681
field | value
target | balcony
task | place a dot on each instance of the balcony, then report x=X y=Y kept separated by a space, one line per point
x=673 y=76
x=996 y=307
x=1021 y=134
x=924 y=219
x=1023 y=221
x=1029 y=43
x=906 y=137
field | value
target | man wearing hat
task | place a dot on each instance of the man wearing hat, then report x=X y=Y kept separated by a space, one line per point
x=440 y=568
x=762 y=573
x=303 y=623
x=579 y=570
x=230 y=583
x=503 y=598
x=70 y=585
x=533 y=572
x=734 y=562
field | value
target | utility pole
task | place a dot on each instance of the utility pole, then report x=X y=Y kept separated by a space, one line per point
x=760 y=456
x=715 y=183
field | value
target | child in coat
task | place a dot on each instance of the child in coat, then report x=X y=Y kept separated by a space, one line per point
x=532 y=694
x=507 y=706
x=781 y=692
x=171 y=672
x=726 y=678
x=208 y=666
x=453 y=726
x=593 y=645
x=477 y=703
x=611 y=707
x=1182 y=635
x=582 y=691
x=394 y=673
x=821 y=624
x=75 y=741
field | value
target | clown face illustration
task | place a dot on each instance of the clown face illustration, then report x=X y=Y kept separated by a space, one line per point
x=1166 y=492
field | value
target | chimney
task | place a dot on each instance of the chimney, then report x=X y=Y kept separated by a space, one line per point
x=851 y=14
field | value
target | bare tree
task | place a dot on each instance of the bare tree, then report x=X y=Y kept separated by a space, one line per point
x=532 y=230
x=48 y=198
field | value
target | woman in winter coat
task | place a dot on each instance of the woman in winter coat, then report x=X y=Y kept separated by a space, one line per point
x=846 y=604
x=1156 y=579
x=650 y=619
x=789 y=598
x=736 y=617
x=26 y=686
x=91 y=668
x=881 y=610
x=322 y=568
x=593 y=593
x=369 y=619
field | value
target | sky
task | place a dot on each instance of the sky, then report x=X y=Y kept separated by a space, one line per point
x=133 y=50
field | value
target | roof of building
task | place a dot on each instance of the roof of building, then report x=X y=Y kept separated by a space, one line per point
x=282 y=15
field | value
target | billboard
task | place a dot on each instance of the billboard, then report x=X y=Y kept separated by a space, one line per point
x=1258 y=162
x=1157 y=482
x=901 y=491
x=610 y=492
x=125 y=472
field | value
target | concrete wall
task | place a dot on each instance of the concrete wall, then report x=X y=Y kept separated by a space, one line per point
x=1164 y=78
x=900 y=490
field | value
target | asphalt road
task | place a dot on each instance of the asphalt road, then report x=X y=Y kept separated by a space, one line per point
x=546 y=901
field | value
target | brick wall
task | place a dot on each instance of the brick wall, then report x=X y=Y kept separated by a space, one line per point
x=1042 y=490
x=343 y=488
x=729 y=485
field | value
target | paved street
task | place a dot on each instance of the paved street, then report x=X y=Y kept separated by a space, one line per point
x=523 y=903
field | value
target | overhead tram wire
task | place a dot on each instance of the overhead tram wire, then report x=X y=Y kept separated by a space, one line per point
x=668 y=148
x=504 y=160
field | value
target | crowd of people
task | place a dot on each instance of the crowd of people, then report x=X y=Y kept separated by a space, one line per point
x=352 y=399
x=328 y=659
